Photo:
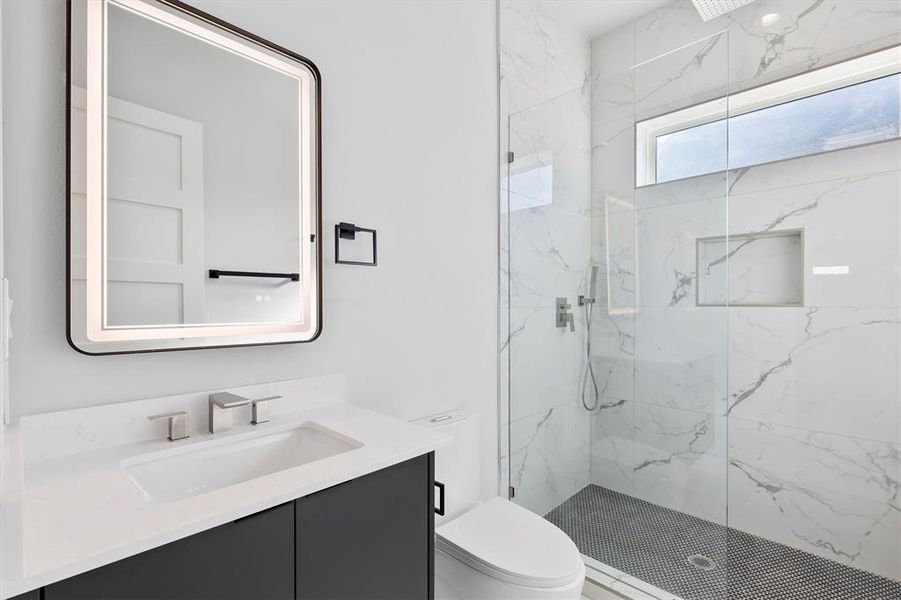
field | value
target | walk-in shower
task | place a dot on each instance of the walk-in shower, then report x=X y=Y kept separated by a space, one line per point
x=723 y=420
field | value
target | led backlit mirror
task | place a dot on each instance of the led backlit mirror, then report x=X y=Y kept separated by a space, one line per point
x=193 y=200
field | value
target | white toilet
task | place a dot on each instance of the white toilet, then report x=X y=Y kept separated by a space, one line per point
x=493 y=550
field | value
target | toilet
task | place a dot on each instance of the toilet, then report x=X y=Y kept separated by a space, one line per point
x=493 y=550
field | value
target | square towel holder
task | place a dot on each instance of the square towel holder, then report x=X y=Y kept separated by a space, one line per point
x=348 y=231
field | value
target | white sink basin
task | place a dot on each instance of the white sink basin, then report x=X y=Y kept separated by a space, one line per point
x=228 y=462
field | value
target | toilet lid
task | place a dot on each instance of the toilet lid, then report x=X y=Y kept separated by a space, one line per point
x=512 y=544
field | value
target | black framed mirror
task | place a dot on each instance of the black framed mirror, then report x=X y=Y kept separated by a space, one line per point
x=194 y=168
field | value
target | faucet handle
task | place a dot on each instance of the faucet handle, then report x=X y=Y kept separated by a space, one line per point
x=178 y=424
x=260 y=410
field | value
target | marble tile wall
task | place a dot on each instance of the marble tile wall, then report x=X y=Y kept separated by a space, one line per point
x=788 y=416
x=545 y=207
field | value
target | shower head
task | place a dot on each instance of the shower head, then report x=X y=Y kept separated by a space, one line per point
x=711 y=9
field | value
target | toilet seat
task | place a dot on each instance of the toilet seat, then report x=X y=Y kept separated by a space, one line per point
x=508 y=542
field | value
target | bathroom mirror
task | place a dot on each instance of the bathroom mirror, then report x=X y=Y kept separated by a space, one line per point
x=193 y=182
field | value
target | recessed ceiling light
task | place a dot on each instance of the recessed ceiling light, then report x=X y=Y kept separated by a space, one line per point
x=770 y=19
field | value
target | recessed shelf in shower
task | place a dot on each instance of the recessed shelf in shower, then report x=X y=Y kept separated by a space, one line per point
x=751 y=269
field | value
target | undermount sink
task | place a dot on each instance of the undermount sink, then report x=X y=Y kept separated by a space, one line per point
x=228 y=462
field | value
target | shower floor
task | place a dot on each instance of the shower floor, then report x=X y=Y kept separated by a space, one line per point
x=653 y=543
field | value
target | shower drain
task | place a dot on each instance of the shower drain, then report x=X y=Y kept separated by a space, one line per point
x=699 y=561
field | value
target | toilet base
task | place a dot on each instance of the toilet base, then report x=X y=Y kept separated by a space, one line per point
x=455 y=580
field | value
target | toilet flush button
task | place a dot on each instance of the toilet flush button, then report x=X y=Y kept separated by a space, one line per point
x=441 y=418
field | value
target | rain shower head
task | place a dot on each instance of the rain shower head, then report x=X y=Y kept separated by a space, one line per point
x=711 y=9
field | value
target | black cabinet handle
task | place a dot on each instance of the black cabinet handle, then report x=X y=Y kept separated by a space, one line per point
x=440 y=509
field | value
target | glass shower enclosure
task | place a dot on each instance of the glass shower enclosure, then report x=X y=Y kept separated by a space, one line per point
x=701 y=270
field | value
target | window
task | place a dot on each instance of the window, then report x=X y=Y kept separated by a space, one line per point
x=841 y=106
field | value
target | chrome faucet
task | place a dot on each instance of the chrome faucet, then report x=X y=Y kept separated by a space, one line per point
x=220 y=402
x=178 y=424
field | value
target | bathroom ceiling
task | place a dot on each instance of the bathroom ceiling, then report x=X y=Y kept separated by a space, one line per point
x=600 y=16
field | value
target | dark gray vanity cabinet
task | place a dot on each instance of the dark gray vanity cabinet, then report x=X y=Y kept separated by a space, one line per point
x=249 y=558
x=370 y=538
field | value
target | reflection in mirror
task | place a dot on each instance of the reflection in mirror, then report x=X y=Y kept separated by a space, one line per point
x=193 y=192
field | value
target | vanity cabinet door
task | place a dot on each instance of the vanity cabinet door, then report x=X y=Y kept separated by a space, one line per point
x=372 y=537
x=249 y=558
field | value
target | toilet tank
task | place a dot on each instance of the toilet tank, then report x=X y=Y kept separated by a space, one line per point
x=456 y=465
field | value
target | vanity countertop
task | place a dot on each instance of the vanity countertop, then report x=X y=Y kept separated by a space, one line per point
x=64 y=515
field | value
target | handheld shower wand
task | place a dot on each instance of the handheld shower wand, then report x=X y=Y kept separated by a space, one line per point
x=588 y=302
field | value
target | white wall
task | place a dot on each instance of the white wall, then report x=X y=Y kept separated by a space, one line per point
x=409 y=147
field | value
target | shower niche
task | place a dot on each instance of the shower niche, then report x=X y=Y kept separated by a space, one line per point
x=751 y=269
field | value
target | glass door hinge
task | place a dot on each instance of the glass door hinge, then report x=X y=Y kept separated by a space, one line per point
x=511 y=492
x=509 y=157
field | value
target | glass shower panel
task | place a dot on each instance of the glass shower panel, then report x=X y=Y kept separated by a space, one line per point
x=548 y=218
x=654 y=507
x=813 y=390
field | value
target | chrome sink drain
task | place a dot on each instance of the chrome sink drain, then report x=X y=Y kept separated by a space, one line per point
x=699 y=561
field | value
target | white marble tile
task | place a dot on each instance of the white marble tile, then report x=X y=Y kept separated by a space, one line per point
x=826 y=369
x=850 y=223
x=550 y=252
x=681 y=358
x=620 y=259
x=829 y=166
x=808 y=34
x=549 y=456
x=549 y=201
x=612 y=58
x=613 y=165
x=667 y=256
x=682 y=191
x=546 y=362
x=542 y=55
x=673 y=26
x=688 y=75
x=680 y=460
x=613 y=353
x=551 y=143
x=834 y=496
x=613 y=445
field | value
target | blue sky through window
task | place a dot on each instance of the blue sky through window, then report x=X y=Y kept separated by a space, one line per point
x=850 y=116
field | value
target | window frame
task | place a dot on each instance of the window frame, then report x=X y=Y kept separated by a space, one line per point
x=861 y=69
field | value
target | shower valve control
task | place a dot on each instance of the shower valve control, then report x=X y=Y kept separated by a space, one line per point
x=564 y=314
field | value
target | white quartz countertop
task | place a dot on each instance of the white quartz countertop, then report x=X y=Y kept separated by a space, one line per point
x=65 y=515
